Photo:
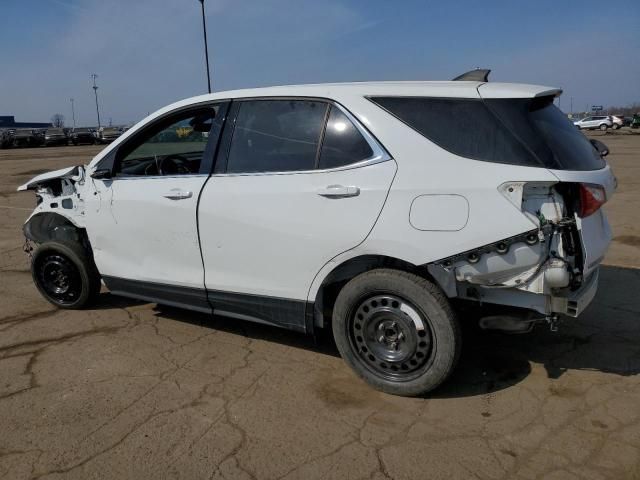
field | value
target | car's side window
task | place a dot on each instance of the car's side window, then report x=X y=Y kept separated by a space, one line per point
x=174 y=146
x=276 y=136
x=342 y=144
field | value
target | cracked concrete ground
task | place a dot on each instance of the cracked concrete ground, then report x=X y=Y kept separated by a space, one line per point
x=132 y=390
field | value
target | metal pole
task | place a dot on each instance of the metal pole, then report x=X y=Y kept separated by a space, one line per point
x=206 y=48
x=571 y=106
x=95 y=91
x=73 y=114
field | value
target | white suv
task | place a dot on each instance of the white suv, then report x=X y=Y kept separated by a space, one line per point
x=600 y=122
x=382 y=211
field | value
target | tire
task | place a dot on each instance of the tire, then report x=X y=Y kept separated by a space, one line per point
x=616 y=126
x=65 y=274
x=383 y=344
x=603 y=127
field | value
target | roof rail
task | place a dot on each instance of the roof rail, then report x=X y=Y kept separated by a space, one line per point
x=477 y=75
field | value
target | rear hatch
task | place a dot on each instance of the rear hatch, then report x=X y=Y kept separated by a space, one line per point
x=519 y=125
x=556 y=144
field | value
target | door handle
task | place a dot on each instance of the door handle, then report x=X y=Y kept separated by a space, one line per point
x=338 y=191
x=177 y=194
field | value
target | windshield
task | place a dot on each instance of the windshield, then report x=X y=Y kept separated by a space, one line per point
x=548 y=133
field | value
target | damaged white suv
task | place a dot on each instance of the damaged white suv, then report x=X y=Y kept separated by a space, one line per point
x=379 y=210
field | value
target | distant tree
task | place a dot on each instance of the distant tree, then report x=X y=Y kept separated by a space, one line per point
x=57 y=120
x=628 y=111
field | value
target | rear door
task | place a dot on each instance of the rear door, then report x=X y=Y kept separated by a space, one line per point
x=298 y=182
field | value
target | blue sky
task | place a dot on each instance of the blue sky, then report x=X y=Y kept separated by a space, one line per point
x=148 y=53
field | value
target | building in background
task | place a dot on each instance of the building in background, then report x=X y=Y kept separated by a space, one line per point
x=9 y=121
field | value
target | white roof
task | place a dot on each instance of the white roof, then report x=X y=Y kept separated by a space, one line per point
x=456 y=89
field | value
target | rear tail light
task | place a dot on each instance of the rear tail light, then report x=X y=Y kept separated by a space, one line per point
x=592 y=197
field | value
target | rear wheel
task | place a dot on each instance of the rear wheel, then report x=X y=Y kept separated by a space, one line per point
x=397 y=331
x=65 y=275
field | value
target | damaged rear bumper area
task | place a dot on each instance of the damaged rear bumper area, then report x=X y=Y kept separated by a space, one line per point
x=548 y=271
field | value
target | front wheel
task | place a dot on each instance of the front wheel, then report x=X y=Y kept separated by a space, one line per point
x=603 y=127
x=65 y=274
x=397 y=331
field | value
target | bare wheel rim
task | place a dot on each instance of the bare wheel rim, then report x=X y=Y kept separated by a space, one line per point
x=59 y=278
x=391 y=336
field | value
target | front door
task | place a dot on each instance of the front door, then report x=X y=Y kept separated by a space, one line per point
x=145 y=237
x=301 y=183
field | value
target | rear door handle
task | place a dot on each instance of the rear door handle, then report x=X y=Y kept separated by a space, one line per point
x=338 y=191
x=177 y=194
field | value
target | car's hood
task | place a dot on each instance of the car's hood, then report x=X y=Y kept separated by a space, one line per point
x=70 y=172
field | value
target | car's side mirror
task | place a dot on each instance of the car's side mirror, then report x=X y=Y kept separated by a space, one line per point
x=602 y=149
x=102 y=173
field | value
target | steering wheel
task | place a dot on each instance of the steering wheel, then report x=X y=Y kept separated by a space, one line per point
x=173 y=164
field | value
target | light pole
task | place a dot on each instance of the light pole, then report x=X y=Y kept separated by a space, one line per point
x=206 y=48
x=73 y=114
x=571 y=106
x=95 y=91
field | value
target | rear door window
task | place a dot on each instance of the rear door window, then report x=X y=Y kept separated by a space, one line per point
x=276 y=136
x=343 y=144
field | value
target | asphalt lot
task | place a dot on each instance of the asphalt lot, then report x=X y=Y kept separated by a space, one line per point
x=133 y=390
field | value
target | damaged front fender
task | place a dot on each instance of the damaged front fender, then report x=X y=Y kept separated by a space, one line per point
x=60 y=205
x=73 y=173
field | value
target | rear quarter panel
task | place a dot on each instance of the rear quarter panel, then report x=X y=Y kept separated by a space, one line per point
x=426 y=169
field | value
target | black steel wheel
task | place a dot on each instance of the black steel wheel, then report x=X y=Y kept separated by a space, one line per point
x=59 y=278
x=65 y=274
x=397 y=331
x=392 y=337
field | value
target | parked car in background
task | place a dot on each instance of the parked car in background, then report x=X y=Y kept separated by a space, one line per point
x=83 y=136
x=596 y=122
x=54 y=137
x=5 y=135
x=108 y=134
x=618 y=121
x=635 y=121
x=21 y=137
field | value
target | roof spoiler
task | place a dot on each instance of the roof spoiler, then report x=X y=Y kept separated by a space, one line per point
x=477 y=75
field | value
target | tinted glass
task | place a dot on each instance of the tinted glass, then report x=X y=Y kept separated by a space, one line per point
x=342 y=144
x=464 y=127
x=173 y=147
x=276 y=136
x=548 y=132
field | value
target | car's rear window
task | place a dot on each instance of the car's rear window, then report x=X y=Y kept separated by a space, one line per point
x=527 y=132
x=544 y=129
